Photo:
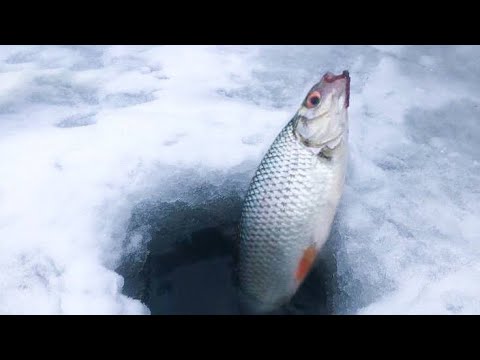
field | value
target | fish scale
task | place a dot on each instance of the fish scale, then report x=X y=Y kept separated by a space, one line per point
x=291 y=195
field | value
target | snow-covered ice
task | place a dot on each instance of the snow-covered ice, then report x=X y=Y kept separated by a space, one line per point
x=87 y=133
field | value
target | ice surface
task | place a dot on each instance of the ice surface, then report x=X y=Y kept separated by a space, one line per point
x=90 y=133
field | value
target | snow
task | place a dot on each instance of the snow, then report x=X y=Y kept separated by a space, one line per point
x=89 y=132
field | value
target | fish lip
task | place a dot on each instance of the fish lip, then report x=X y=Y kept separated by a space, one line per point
x=345 y=75
x=330 y=77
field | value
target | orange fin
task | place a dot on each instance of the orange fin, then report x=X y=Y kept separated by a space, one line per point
x=306 y=263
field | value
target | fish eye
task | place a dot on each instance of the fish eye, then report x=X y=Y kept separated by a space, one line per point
x=313 y=100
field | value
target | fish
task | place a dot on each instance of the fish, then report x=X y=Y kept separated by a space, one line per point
x=292 y=198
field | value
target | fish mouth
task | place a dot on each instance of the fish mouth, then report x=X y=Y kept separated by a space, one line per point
x=341 y=81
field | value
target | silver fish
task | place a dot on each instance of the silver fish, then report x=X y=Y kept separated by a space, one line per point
x=292 y=199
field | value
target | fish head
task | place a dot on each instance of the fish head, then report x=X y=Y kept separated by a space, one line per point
x=322 y=118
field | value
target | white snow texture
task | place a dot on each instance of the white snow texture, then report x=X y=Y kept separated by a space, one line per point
x=86 y=133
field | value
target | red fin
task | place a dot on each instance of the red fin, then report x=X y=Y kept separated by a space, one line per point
x=306 y=263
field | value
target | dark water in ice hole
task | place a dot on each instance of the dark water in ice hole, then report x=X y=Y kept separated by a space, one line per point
x=188 y=266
